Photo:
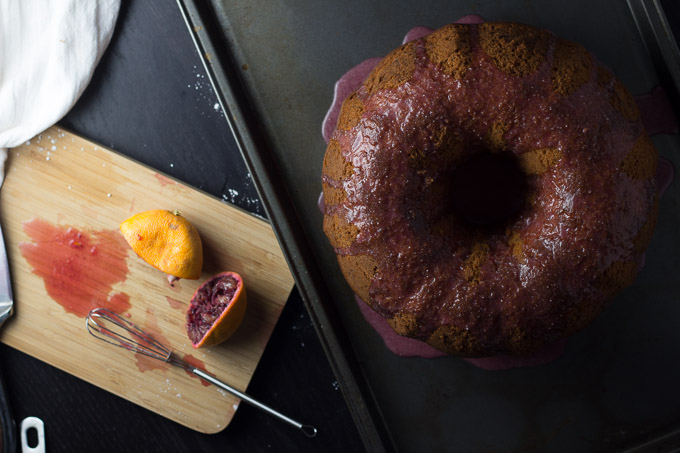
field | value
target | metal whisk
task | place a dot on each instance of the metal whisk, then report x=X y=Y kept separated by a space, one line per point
x=110 y=327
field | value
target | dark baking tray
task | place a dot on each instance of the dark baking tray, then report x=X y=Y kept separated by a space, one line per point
x=274 y=64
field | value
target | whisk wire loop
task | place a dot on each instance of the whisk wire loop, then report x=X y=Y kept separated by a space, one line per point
x=112 y=328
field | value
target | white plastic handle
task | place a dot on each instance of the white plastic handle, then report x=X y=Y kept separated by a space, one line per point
x=26 y=424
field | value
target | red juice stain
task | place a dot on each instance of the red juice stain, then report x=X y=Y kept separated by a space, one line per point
x=196 y=363
x=119 y=303
x=145 y=363
x=79 y=268
x=174 y=303
x=164 y=180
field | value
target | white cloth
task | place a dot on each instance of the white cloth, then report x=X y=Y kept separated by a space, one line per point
x=48 y=52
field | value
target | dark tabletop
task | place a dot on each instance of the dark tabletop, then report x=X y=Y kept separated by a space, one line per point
x=150 y=100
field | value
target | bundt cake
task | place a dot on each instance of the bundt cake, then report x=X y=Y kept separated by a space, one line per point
x=489 y=188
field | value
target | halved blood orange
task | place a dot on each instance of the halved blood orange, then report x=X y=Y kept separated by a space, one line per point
x=217 y=309
x=167 y=241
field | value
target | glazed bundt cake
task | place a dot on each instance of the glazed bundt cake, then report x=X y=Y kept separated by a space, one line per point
x=489 y=188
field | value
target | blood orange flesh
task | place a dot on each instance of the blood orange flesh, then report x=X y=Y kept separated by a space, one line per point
x=217 y=309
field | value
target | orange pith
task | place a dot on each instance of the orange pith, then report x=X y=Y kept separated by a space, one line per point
x=166 y=241
x=216 y=326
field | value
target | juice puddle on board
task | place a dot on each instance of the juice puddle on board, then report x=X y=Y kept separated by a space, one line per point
x=79 y=268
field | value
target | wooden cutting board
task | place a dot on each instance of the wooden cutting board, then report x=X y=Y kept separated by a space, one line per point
x=60 y=206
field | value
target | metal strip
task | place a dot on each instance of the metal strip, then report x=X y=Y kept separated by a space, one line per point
x=665 y=443
x=283 y=217
x=658 y=37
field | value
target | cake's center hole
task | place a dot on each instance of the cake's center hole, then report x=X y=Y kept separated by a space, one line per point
x=488 y=188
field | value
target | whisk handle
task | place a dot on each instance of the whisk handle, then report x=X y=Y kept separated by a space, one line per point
x=308 y=430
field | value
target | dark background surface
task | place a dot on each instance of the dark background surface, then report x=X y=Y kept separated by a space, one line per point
x=150 y=99
x=671 y=9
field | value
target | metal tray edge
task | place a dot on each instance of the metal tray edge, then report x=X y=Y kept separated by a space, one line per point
x=663 y=50
x=283 y=218
x=658 y=38
x=655 y=31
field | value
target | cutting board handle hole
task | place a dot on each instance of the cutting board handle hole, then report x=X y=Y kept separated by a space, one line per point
x=32 y=437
